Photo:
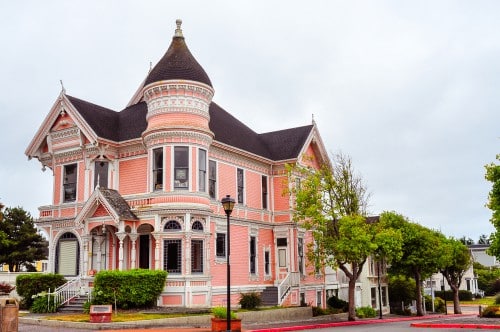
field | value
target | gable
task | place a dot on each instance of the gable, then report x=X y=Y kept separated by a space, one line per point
x=62 y=124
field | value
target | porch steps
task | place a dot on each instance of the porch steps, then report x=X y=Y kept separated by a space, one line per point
x=75 y=305
x=269 y=296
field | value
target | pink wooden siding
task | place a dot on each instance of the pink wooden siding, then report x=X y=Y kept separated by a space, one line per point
x=133 y=176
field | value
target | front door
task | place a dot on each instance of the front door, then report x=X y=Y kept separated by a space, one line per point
x=283 y=261
x=144 y=251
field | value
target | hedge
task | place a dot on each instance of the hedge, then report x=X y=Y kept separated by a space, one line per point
x=138 y=288
x=28 y=285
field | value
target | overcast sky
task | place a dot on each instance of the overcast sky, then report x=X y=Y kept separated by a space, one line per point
x=408 y=89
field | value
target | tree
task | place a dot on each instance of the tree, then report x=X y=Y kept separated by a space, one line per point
x=331 y=202
x=421 y=254
x=22 y=245
x=456 y=261
x=493 y=176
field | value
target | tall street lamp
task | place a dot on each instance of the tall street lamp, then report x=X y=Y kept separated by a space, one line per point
x=228 y=204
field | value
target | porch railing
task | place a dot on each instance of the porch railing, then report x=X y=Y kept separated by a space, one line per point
x=292 y=279
x=63 y=294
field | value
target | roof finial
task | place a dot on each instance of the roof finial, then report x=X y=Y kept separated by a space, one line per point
x=313 y=122
x=178 y=31
x=63 y=90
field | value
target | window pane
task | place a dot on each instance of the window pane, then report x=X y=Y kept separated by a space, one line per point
x=253 y=251
x=197 y=256
x=181 y=172
x=202 y=173
x=266 y=262
x=101 y=174
x=220 y=245
x=212 y=178
x=69 y=182
x=264 y=192
x=158 y=169
x=172 y=256
x=240 y=185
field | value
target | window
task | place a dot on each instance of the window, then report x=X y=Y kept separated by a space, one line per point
x=267 y=263
x=172 y=256
x=181 y=167
x=253 y=251
x=384 y=296
x=197 y=226
x=220 y=245
x=240 y=185
x=202 y=170
x=212 y=178
x=374 y=297
x=101 y=174
x=69 y=182
x=264 y=192
x=158 y=169
x=300 y=252
x=197 y=256
x=172 y=226
x=319 y=297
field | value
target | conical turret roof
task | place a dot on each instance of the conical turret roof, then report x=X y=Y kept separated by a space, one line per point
x=178 y=63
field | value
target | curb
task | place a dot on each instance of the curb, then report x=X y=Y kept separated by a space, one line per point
x=379 y=321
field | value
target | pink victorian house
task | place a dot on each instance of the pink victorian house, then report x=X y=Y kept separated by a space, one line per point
x=141 y=188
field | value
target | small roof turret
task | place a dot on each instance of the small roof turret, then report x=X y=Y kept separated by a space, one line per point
x=178 y=63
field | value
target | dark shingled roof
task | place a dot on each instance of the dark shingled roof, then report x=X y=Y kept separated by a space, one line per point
x=130 y=123
x=178 y=63
x=108 y=124
x=118 y=204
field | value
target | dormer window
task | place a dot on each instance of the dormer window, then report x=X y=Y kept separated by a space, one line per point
x=69 y=182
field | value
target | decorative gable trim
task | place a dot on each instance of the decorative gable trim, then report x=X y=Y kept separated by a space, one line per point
x=62 y=106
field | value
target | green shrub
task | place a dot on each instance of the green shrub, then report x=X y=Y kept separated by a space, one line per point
x=401 y=289
x=43 y=303
x=221 y=313
x=336 y=303
x=491 y=311
x=318 y=311
x=463 y=295
x=438 y=304
x=138 y=288
x=28 y=285
x=497 y=299
x=366 y=312
x=250 y=301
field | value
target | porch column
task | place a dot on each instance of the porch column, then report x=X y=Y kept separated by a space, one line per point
x=121 y=236
x=86 y=240
x=100 y=239
x=156 y=236
x=133 y=253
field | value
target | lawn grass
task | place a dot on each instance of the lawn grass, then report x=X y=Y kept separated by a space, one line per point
x=119 y=317
x=487 y=300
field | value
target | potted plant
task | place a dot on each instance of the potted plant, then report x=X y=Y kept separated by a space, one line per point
x=219 y=320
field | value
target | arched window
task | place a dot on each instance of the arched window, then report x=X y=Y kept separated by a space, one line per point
x=172 y=226
x=197 y=226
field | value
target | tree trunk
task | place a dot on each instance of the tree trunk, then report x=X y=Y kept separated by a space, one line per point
x=352 y=302
x=456 y=301
x=418 y=291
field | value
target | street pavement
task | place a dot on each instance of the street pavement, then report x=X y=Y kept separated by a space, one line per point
x=468 y=321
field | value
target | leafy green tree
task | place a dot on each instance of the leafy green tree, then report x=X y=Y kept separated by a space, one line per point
x=493 y=176
x=22 y=245
x=456 y=262
x=421 y=254
x=331 y=202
